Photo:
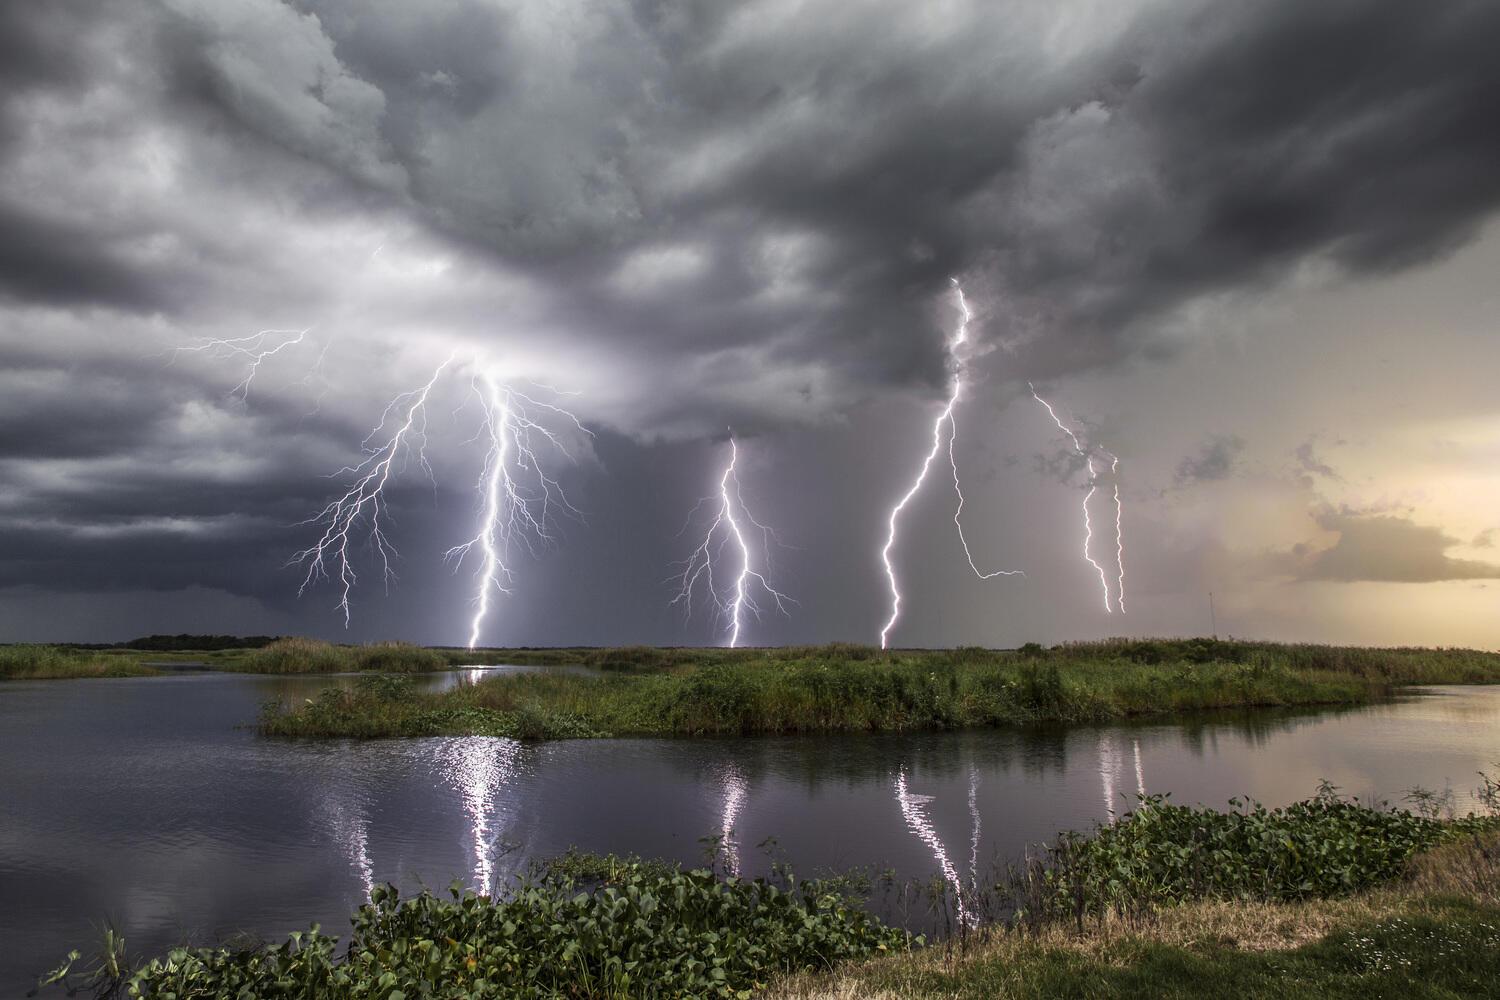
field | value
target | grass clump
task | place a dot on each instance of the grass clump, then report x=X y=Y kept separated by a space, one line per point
x=313 y=656
x=633 y=930
x=823 y=689
x=44 y=662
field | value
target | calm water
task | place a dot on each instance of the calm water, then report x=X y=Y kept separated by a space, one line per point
x=148 y=803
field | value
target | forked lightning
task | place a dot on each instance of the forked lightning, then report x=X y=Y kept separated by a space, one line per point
x=1088 y=526
x=725 y=529
x=517 y=499
x=944 y=417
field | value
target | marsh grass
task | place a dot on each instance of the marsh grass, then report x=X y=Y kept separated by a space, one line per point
x=642 y=691
x=40 y=662
x=313 y=656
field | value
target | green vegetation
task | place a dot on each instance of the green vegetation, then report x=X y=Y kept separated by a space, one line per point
x=840 y=688
x=642 y=930
x=273 y=656
x=1161 y=854
x=311 y=656
x=26 y=663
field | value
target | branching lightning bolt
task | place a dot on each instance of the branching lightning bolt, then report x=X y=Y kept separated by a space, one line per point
x=517 y=498
x=1088 y=525
x=364 y=501
x=698 y=568
x=946 y=416
x=254 y=350
x=508 y=511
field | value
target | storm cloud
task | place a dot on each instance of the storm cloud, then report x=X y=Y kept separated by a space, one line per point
x=1214 y=461
x=1392 y=549
x=696 y=215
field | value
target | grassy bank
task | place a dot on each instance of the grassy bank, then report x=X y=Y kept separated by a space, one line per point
x=1430 y=929
x=660 y=692
x=1395 y=943
x=1326 y=898
x=29 y=663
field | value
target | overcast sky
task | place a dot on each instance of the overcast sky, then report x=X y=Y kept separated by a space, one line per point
x=1248 y=248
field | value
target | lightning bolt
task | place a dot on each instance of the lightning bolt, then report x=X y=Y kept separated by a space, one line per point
x=509 y=511
x=517 y=499
x=1114 y=468
x=945 y=417
x=364 y=501
x=254 y=350
x=698 y=568
x=1088 y=525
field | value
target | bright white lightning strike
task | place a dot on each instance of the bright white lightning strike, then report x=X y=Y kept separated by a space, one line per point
x=254 y=350
x=364 y=502
x=509 y=512
x=1088 y=525
x=516 y=497
x=698 y=568
x=946 y=416
x=1114 y=468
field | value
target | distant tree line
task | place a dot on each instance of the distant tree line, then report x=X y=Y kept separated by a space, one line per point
x=182 y=642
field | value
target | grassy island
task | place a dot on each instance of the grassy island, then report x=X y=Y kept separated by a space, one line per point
x=841 y=688
x=35 y=662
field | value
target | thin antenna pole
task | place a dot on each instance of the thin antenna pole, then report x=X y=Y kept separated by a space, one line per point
x=1213 y=619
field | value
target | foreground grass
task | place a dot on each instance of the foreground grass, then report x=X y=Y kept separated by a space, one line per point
x=1394 y=943
x=660 y=692
x=1326 y=898
x=28 y=663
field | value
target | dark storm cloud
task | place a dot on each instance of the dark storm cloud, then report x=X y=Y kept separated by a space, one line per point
x=1195 y=152
x=66 y=263
x=718 y=213
x=702 y=179
x=1389 y=549
x=1213 y=462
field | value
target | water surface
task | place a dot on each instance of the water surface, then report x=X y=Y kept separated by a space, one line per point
x=152 y=804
